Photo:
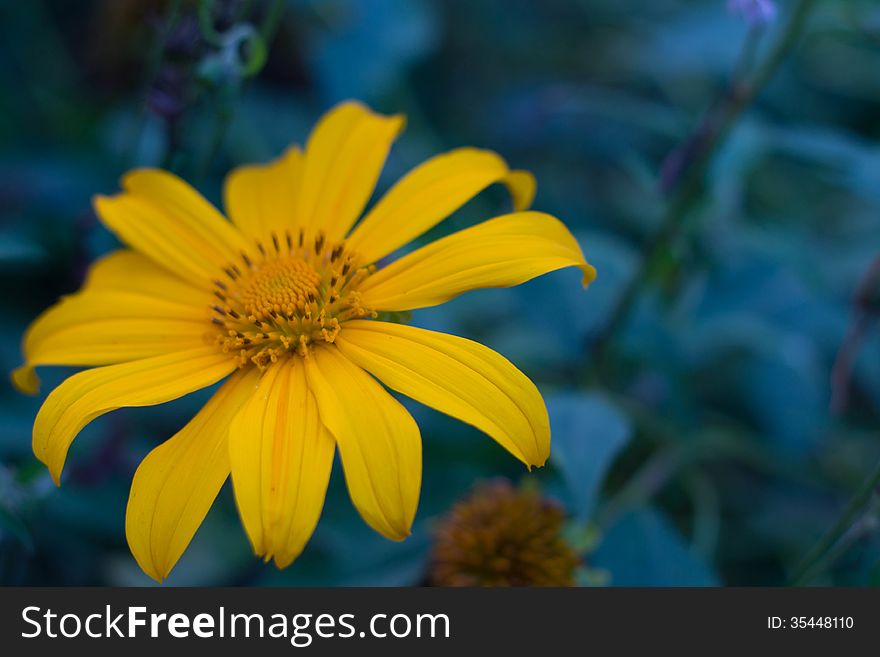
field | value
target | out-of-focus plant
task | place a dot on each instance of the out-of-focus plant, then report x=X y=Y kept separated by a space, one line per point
x=502 y=536
x=720 y=162
x=756 y=12
x=204 y=51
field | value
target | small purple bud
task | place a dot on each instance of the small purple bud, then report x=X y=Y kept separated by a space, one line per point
x=755 y=12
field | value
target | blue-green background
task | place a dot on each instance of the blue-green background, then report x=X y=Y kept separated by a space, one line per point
x=701 y=450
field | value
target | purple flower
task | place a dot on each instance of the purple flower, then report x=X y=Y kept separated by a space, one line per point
x=755 y=12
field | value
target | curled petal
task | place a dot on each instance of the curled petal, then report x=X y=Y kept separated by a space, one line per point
x=430 y=193
x=90 y=394
x=501 y=252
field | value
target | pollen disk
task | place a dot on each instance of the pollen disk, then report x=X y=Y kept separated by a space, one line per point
x=285 y=287
x=285 y=298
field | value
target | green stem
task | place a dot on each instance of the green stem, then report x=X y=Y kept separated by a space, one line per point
x=650 y=479
x=272 y=21
x=154 y=63
x=222 y=121
x=716 y=128
x=206 y=23
x=807 y=569
x=226 y=112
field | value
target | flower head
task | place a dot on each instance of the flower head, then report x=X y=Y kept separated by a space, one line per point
x=282 y=302
x=501 y=536
x=755 y=12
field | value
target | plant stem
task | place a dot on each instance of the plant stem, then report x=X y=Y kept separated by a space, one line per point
x=226 y=111
x=705 y=143
x=272 y=21
x=865 y=310
x=806 y=570
x=650 y=479
x=154 y=63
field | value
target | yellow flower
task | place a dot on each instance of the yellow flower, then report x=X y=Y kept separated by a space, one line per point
x=282 y=302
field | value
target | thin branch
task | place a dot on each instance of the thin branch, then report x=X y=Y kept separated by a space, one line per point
x=688 y=180
x=865 y=310
x=807 y=569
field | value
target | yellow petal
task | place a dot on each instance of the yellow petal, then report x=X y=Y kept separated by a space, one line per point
x=343 y=158
x=177 y=482
x=128 y=309
x=501 y=252
x=458 y=377
x=90 y=394
x=522 y=186
x=129 y=271
x=100 y=328
x=281 y=456
x=261 y=199
x=167 y=220
x=430 y=193
x=378 y=441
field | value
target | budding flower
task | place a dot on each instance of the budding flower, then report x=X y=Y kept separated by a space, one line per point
x=502 y=536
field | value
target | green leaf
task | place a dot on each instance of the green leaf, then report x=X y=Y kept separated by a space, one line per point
x=642 y=549
x=587 y=432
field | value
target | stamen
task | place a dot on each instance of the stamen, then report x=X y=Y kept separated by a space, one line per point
x=288 y=301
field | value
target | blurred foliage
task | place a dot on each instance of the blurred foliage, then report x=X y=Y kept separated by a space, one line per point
x=699 y=450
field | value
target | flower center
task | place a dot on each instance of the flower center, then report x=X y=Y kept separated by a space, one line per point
x=294 y=294
x=284 y=286
x=502 y=536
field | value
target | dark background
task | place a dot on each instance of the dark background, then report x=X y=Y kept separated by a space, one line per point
x=695 y=443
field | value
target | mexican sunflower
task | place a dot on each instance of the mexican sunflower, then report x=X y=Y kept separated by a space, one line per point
x=285 y=303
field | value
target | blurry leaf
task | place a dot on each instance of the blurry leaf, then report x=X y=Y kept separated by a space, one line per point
x=381 y=38
x=16 y=250
x=11 y=526
x=592 y=577
x=756 y=318
x=17 y=418
x=709 y=30
x=587 y=433
x=96 y=511
x=788 y=398
x=585 y=310
x=642 y=549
